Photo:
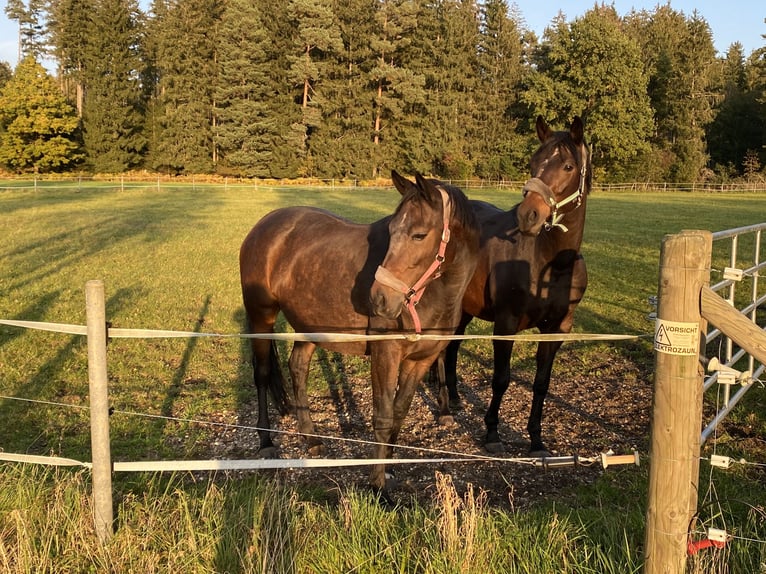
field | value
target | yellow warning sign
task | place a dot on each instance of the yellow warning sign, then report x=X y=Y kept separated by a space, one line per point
x=675 y=338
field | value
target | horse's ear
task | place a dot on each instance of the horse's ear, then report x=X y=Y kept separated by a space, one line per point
x=543 y=131
x=402 y=184
x=428 y=188
x=576 y=130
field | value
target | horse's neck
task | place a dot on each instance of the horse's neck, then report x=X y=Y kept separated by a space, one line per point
x=557 y=240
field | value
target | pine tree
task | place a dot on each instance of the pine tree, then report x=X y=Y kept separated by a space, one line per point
x=316 y=41
x=341 y=145
x=69 y=26
x=113 y=107
x=184 y=45
x=397 y=90
x=38 y=128
x=740 y=119
x=454 y=87
x=678 y=55
x=245 y=128
x=501 y=151
x=32 y=35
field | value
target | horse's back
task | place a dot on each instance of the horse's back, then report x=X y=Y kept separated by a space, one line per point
x=314 y=266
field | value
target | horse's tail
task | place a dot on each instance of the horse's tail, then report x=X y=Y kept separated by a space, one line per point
x=277 y=382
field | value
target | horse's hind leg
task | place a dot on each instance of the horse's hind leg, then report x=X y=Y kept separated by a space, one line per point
x=445 y=369
x=300 y=359
x=263 y=364
x=267 y=373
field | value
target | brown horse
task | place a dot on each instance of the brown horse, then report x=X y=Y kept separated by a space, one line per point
x=530 y=273
x=329 y=275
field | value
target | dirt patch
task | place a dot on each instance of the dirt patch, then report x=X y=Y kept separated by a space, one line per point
x=590 y=409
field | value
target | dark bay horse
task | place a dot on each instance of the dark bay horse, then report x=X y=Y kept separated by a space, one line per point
x=330 y=275
x=530 y=273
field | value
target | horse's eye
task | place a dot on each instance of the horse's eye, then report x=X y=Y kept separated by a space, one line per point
x=418 y=236
x=569 y=167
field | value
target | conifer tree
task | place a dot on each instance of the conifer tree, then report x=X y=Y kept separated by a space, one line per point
x=740 y=118
x=678 y=56
x=501 y=152
x=341 y=146
x=316 y=40
x=397 y=89
x=245 y=127
x=455 y=86
x=113 y=107
x=69 y=24
x=38 y=128
x=32 y=35
x=184 y=45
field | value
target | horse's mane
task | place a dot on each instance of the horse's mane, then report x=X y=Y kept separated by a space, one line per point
x=461 y=208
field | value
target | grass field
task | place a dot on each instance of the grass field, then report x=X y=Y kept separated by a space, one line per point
x=169 y=261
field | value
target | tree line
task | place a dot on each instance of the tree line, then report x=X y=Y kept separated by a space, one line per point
x=352 y=89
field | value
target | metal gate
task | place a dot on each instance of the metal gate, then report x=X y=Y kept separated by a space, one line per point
x=737 y=257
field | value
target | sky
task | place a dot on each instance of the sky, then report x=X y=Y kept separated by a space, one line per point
x=730 y=20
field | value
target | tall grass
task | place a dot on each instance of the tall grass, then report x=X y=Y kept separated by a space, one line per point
x=258 y=526
x=169 y=261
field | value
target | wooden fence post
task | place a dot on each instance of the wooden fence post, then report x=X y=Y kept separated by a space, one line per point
x=99 y=409
x=677 y=405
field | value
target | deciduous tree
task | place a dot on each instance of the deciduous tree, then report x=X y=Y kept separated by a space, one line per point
x=592 y=68
x=39 y=127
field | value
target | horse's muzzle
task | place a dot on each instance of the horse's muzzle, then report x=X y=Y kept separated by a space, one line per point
x=386 y=302
x=536 y=207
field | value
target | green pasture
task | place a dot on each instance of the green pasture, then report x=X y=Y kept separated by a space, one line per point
x=169 y=260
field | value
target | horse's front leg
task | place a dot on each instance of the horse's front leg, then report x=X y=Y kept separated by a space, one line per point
x=300 y=359
x=546 y=353
x=411 y=373
x=501 y=378
x=384 y=371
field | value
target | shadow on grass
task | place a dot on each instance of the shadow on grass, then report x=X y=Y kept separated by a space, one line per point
x=27 y=425
x=179 y=376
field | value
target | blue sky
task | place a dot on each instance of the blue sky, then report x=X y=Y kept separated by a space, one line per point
x=730 y=20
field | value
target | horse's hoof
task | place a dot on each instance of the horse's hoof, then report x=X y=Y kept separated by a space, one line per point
x=543 y=453
x=383 y=498
x=391 y=482
x=267 y=452
x=446 y=421
x=316 y=449
x=456 y=404
x=494 y=447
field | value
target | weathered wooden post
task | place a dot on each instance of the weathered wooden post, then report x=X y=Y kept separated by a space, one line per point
x=677 y=406
x=99 y=409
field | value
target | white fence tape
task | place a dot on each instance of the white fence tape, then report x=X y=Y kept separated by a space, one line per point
x=266 y=464
x=293 y=463
x=117 y=333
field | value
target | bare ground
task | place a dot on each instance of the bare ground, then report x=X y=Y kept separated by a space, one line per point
x=594 y=404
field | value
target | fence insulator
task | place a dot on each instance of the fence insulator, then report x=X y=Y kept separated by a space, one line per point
x=733 y=274
x=615 y=459
x=720 y=461
x=728 y=375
